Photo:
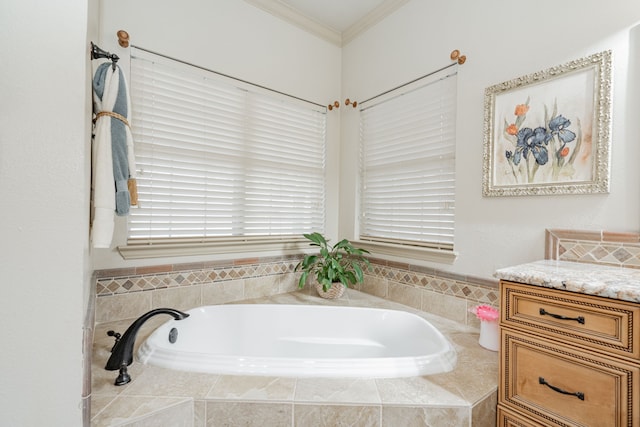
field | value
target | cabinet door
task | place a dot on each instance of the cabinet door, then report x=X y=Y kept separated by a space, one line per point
x=508 y=418
x=595 y=323
x=561 y=385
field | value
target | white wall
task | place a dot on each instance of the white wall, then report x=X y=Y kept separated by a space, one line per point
x=234 y=38
x=44 y=140
x=44 y=143
x=502 y=40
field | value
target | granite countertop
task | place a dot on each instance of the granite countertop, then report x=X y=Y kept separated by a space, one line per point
x=591 y=279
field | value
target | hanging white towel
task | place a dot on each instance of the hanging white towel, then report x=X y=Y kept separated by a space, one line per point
x=113 y=160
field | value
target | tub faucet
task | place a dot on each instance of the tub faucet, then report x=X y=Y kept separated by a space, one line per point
x=122 y=351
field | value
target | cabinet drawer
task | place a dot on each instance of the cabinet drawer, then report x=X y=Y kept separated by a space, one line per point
x=560 y=385
x=508 y=418
x=602 y=324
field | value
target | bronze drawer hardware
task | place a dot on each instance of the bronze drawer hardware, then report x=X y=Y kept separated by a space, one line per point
x=579 y=319
x=577 y=394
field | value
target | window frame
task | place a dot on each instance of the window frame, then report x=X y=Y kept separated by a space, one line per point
x=190 y=246
x=400 y=250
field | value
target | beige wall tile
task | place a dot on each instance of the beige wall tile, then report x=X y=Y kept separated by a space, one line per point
x=179 y=298
x=405 y=294
x=99 y=402
x=336 y=415
x=406 y=416
x=416 y=391
x=122 y=306
x=180 y=415
x=347 y=390
x=375 y=286
x=484 y=413
x=233 y=414
x=155 y=381
x=131 y=407
x=472 y=320
x=263 y=280
x=474 y=361
x=222 y=292
x=199 y=413
x=234 y=387
x=288 y=282
x=447 y=306
x=258 y=287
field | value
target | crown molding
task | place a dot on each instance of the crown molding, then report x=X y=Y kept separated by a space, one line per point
x=293 y=16
x=385 y=9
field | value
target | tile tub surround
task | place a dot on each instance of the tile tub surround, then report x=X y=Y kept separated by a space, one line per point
x=127 y=293
x=156 y=396
x=591 y=279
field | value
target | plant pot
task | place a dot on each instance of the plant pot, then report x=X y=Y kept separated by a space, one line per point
x=335 y=291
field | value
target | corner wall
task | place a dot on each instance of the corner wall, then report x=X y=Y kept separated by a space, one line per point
x=44 y=144
x=502 y=40
x=240 y=40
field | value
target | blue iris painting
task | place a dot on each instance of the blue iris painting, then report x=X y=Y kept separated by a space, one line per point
x=551 y=146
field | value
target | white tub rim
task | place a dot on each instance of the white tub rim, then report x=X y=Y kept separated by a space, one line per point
x=379 y=367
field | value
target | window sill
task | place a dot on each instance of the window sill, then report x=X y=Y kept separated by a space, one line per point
x=443 y=256
x=293 y=245
x=148 y=249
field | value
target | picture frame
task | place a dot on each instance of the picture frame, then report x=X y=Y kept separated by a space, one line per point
x=549 y=132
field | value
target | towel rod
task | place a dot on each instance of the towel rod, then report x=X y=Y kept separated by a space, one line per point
x=97 y=53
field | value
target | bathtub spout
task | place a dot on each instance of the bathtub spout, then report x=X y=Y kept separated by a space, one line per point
x=122 y=351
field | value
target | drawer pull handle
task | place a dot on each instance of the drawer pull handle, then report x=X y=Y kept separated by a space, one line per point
x=577 y=394
x=578 y=319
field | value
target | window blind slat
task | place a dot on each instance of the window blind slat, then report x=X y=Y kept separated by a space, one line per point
x=217 y=159
x=407 y=167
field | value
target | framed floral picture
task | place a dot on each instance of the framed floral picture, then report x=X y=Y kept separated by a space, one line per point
x=549 y=132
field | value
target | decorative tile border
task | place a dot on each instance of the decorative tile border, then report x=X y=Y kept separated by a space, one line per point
x=137 y=279
x=427 y=289
x=180 y=275
x=594 y=247
x=466 y=287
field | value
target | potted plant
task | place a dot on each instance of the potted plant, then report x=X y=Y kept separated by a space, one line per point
x=340 y=264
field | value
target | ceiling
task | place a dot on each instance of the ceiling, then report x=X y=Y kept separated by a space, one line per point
x=336 y=14
x=338 y=21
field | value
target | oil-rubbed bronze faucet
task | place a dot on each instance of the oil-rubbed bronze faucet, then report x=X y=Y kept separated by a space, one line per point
x=122 y=351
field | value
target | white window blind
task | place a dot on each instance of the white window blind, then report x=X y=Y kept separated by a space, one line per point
x=217 y=158
x=407 y=164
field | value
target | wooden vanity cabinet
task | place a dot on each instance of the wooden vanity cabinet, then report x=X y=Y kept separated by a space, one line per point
x=567 y=359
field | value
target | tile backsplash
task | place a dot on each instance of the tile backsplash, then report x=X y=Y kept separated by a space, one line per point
x=126 y=293
x=594 y=247
x=129 y=292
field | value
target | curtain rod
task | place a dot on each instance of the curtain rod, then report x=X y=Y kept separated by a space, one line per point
x=229 y=77
x=97 y=53
x=408 y=83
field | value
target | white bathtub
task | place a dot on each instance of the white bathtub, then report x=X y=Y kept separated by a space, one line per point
x=300 y=341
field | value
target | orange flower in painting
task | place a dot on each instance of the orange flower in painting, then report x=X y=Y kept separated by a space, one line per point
x=512 y=129
x=564 y=152
x=521 y=109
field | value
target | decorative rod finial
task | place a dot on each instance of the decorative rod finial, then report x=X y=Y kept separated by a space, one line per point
x=455 y=56
x=352 y=103
x=123 y=38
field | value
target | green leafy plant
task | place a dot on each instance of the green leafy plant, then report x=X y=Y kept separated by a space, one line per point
x=341 y=262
